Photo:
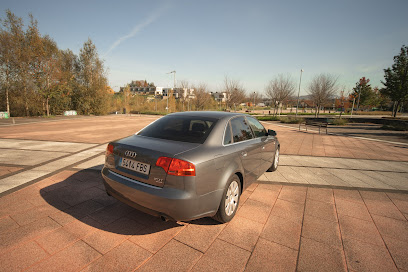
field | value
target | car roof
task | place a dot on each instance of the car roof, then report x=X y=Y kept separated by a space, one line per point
x=210 y=114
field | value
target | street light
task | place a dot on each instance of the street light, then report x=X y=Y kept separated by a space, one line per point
x=254 y=101
x=174 y=86
x=297 y=105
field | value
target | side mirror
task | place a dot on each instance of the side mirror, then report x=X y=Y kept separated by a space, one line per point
x=271 y=132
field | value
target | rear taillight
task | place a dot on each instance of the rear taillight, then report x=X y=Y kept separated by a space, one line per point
x=164 y=162
x=109 y=149
x=176 y=167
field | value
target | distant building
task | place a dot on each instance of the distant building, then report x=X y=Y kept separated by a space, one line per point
x=142 y=87
x=220 y=96
x=184 y=93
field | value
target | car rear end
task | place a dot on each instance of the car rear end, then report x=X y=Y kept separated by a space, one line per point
x=151 y=175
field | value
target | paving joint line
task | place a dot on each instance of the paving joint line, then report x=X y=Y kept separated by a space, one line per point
x=382 y=238
x=340 y=230
x=301 y=230
x=263 y=227
x=402 y=191
x=340 y=168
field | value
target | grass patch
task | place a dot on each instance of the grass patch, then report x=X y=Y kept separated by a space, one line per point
x=372 y=113
x=268 y=118
x=291 y=120
x=149 y=112
x=312 y=113
x=340 y=122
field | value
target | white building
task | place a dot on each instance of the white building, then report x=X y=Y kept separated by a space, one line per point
x=220 y=96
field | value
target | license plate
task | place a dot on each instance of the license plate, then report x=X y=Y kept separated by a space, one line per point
x=136 y=166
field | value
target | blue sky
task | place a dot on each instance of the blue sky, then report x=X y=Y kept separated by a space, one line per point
x=251 y=41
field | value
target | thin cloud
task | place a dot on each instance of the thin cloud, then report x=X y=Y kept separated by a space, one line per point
x=137 y=28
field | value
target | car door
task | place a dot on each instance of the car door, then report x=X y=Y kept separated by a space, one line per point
x=267 y=150
x=247 y=147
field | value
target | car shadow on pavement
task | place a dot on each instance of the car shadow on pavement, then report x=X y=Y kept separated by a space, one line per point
x=82 y=196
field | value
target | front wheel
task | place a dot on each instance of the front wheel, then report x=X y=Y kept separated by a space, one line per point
x=275 y=161
x=230 y=200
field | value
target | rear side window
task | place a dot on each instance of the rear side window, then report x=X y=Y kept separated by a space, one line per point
x=257 y=127
x=191 y=129
x=227 y=135
x=240 y=130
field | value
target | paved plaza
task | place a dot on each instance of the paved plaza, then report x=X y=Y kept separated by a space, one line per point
x=335 y=203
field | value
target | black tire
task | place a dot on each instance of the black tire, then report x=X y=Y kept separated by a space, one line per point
x=275 y=163
x=225 y=214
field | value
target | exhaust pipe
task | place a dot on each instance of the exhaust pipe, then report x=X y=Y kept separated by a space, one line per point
x=164 y=218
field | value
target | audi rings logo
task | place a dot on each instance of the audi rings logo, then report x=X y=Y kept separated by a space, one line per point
x=130 y=154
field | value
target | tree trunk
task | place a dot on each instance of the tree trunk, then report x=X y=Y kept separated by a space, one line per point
x=396 y=109
x=7 y=89
x=48 y=90
x=7 y=102
x=26 y=100
x=48 y=107
x=393 y=109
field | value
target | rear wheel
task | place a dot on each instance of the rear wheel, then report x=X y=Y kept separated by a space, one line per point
x=230 y=200
x=275 y=161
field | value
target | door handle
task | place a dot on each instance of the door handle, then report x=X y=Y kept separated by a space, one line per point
x=244 y=154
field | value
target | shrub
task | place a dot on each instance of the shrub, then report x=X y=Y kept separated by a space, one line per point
x=340 y=121
x=291 y=120
x=267 y=118
x=148 y=112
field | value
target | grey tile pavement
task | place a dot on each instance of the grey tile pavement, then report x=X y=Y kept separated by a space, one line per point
x=293 y=169
x=44 y=145
x=340 y=172
x=42 y=163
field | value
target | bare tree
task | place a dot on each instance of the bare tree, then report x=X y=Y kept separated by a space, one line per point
x=235 y=92
x=322 y=88
x=202 y=97
x=255 y=97
x=184 y=84
x=280 y=89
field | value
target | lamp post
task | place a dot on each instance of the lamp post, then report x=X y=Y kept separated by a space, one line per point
x=254 y=101
x=174 y=86
x=297 y=105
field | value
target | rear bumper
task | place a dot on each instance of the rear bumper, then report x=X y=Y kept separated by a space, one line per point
x=175 y=204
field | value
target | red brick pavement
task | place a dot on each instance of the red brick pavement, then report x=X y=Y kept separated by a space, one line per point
x=293 y=142
x=276 y=228
x=81 y=130
x=5 y=170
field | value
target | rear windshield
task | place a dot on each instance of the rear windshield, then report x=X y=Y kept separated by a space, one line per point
x=191 y=129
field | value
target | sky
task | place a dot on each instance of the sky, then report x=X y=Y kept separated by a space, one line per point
x=250 y=41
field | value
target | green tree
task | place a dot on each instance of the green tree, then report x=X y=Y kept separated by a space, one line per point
x=6 y=62
x=91 y=96
x=12 y=37
x=396 y=80
x=62 y=93
x=363 y=92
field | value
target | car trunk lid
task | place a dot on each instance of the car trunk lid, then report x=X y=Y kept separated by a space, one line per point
x=136 y=157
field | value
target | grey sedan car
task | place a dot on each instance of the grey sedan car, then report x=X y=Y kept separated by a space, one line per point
x=190 y=165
